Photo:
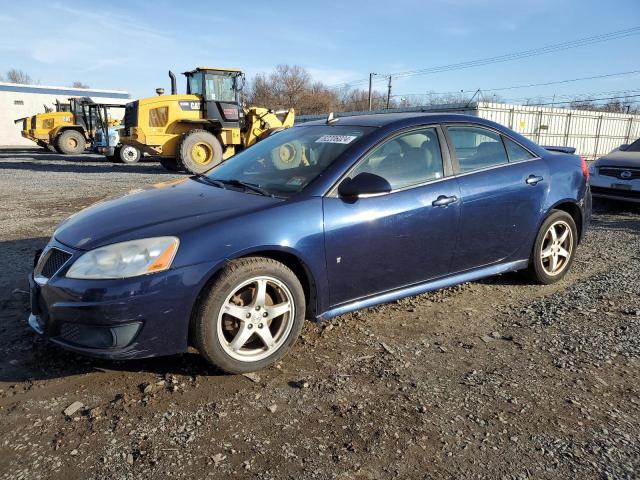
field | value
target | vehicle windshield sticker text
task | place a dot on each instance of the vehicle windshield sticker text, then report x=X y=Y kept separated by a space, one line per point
x=336 y=139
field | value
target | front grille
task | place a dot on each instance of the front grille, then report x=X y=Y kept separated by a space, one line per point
x=617 y=192
x=618 y=172
x=131 y=115
x=51 y=262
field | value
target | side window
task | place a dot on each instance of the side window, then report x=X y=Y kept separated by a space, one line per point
x=477 y=148
x=408 y=159
x=516 y=152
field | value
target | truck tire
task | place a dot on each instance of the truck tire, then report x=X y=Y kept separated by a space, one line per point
x=127 y=154
x=170 y=164
x=70 y=142
x=199 y=151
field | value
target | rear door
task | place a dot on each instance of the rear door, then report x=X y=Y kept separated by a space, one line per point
x=384 y=242
x=503 y=187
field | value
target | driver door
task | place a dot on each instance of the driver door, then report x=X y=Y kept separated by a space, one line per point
x=389 y=241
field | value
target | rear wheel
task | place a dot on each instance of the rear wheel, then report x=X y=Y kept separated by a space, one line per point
x=127 y=154
x=554 y=249
x=199 y=151
x=70 y=142
x=252 y=315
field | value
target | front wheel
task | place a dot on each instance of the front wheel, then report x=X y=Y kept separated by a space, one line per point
x=127 y=154
x=252 y=315
x=554 y=249
x=199 y=151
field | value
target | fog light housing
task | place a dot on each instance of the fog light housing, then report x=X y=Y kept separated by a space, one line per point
x=95 y=336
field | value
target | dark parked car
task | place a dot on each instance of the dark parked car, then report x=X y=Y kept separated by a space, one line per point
x=616 y=176
x=315 y=221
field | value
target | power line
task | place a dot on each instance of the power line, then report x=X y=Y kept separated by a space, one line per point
x=516 y=87
x=605 y=37
x=586 y=100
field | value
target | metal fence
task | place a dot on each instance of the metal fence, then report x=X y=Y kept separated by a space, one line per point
x=592 y=133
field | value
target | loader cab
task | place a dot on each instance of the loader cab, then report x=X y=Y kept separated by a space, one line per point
x=219 y=90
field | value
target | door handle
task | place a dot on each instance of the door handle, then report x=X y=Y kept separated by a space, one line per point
x=443 y=201
x=533 y=180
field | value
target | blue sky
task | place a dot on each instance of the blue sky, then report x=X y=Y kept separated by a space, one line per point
x=131 y=45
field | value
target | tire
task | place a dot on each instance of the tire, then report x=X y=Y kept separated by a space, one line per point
x=215 y=329
x=288 y=155
x=70 y=142
x=127 y=154
x=199 y=151
x=170 y=164
x=561 y=251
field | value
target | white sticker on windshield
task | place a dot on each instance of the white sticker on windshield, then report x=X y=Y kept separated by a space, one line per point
x=336 y=139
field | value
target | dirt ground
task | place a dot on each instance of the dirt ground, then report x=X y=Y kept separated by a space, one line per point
x=498 y=379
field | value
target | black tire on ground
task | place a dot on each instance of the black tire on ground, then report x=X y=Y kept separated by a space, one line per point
x=70 y=142
x=170 y=164
x=203 y=142
x=127 y=154
x=537 y=270
x=204 y=329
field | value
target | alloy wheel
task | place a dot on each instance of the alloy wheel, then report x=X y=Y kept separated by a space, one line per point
x=557 y=247
x=256 y=319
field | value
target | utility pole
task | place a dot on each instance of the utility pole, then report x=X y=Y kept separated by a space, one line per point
x=389 y=93
x=370 y=88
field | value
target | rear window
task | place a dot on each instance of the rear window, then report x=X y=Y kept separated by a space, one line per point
x=477 y=148
x=516 y=152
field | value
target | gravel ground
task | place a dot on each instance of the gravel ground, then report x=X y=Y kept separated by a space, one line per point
x=498 y=379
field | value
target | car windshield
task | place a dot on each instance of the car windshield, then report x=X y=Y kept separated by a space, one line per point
x=286 y=162
x=634 y=147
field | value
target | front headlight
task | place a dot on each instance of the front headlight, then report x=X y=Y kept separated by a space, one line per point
x=592 y=170
x=126 y=259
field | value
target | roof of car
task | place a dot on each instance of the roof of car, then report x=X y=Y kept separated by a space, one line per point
x=388 y=119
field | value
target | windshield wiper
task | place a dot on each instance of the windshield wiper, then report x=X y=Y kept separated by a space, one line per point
x=210 y=181
x=249 y=186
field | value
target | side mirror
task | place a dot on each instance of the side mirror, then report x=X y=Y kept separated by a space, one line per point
x=363 y=184
x=623 y=147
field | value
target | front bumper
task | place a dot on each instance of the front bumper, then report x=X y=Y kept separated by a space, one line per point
x=613 y=188
x=137 y=317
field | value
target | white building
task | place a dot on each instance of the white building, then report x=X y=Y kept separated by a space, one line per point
x=17 y=101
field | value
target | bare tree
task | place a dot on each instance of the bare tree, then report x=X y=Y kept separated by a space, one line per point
x=78 y=84
x=291 y=86
x=18 y=76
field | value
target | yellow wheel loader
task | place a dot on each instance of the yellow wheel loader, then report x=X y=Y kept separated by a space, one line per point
x=68 y=129
x=198 y=130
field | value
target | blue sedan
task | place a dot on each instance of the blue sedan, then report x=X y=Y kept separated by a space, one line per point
x=315 y=221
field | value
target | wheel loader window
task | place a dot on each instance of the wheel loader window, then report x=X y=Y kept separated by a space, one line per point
x=195 y=84
x=219 y=88
x=158 y=117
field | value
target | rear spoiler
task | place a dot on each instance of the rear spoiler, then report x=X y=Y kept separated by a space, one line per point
x=18 y=120
x=560 y=149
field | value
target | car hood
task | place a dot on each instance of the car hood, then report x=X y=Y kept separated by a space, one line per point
x=167 y=208
x=620 y=159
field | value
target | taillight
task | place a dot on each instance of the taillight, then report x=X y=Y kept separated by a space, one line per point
x=585 y=168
